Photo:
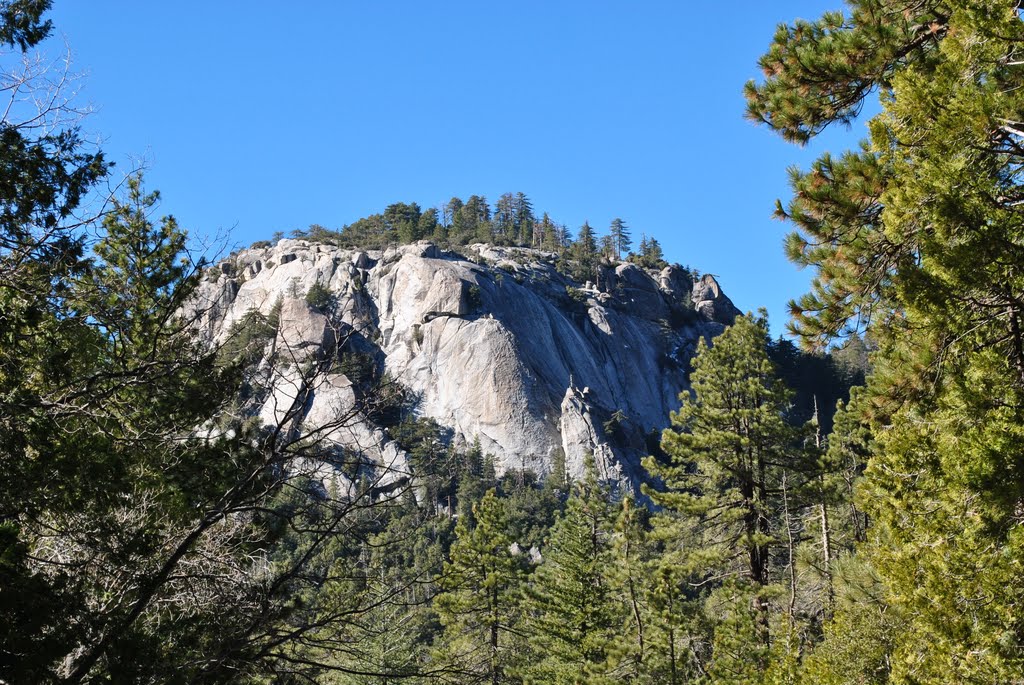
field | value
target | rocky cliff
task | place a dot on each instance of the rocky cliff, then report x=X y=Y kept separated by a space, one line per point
x=494 y=344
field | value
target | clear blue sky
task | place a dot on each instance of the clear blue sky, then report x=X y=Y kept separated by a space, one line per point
x=255 y=117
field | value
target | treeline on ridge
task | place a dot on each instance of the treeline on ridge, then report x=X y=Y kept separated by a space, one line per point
x=511 y=223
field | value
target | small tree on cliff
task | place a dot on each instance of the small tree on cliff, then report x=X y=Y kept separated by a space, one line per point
x=621 y=240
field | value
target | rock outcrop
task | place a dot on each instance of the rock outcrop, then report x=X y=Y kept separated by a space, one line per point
x=496 y=345
x=711 y=302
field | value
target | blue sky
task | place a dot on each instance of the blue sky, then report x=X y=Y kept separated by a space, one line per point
x=255 y=117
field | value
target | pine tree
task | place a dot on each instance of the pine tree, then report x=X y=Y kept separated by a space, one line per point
x=584 y=254
x=918 y=233
x=630 y=657
x=380 y=587
x=572 y=617
x=449 y=210
x=653 y=257
x=621 y=240
x=479 y=603
x=42 y=252
x=130 y=484
x=402 y=222
x=730 y=450
x=643 y=244
x=650 y=255
x=505 y=226
x=678 y=646
x=525 y=219
x=546 y=234
x=471 y=221
x=48 y=170
x=475 y=477
x=860 y=639
x=428 y=227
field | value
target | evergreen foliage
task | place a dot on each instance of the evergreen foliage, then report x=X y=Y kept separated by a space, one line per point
x=151 y=530
x=571 y=617
x=819 y=380
x=320 y=298
x=512 y=223
x=584 y=255
x=916 y=235
x=620 y=238
x=650 y=255
x=731 y=492
x=480 y=605
x=147 y=522
x=106 y=483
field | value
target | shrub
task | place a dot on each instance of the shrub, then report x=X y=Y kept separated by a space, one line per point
x=575 y=294
x=320 y=298
x=248 y=337
x=613 y=428
x=474 y=298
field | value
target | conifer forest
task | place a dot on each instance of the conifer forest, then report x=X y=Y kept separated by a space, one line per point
x=841 y=505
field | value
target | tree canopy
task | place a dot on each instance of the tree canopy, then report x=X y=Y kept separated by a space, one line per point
x=916 y=236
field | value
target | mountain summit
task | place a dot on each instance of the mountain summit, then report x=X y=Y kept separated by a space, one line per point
x=496 y=345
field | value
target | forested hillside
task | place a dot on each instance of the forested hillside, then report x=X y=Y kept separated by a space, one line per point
x=841 y=507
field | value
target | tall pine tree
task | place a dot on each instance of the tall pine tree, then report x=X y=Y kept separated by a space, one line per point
x=730 y=449
x=583 y=254
x=572 y=617
x=621 y=240
x=479 y=603
x=918 y=234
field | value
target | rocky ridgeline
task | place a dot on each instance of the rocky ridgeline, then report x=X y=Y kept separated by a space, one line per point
x=495 y=345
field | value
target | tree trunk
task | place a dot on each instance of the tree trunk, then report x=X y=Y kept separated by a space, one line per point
x=826 y=534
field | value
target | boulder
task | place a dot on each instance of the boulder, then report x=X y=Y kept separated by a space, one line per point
x=712 y=303
x=640 y=293
x=361 y=260
x=582 y=437
x=676 y=282
x=302 y=329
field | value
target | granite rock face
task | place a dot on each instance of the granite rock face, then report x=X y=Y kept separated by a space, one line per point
x=494 y=344
x=711 y=302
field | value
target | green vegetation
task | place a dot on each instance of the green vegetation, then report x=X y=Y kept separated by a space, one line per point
x=650 y=255
x=479 y=603
x=619 y=236
x=571 y=616
x=248 y=337
x=474 y=299
x=512 y=223
x=320 y=298
x=844 y=516
x=576 y=295
x=916 y=236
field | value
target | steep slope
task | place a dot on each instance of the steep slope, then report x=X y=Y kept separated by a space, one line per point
x=498 y=346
